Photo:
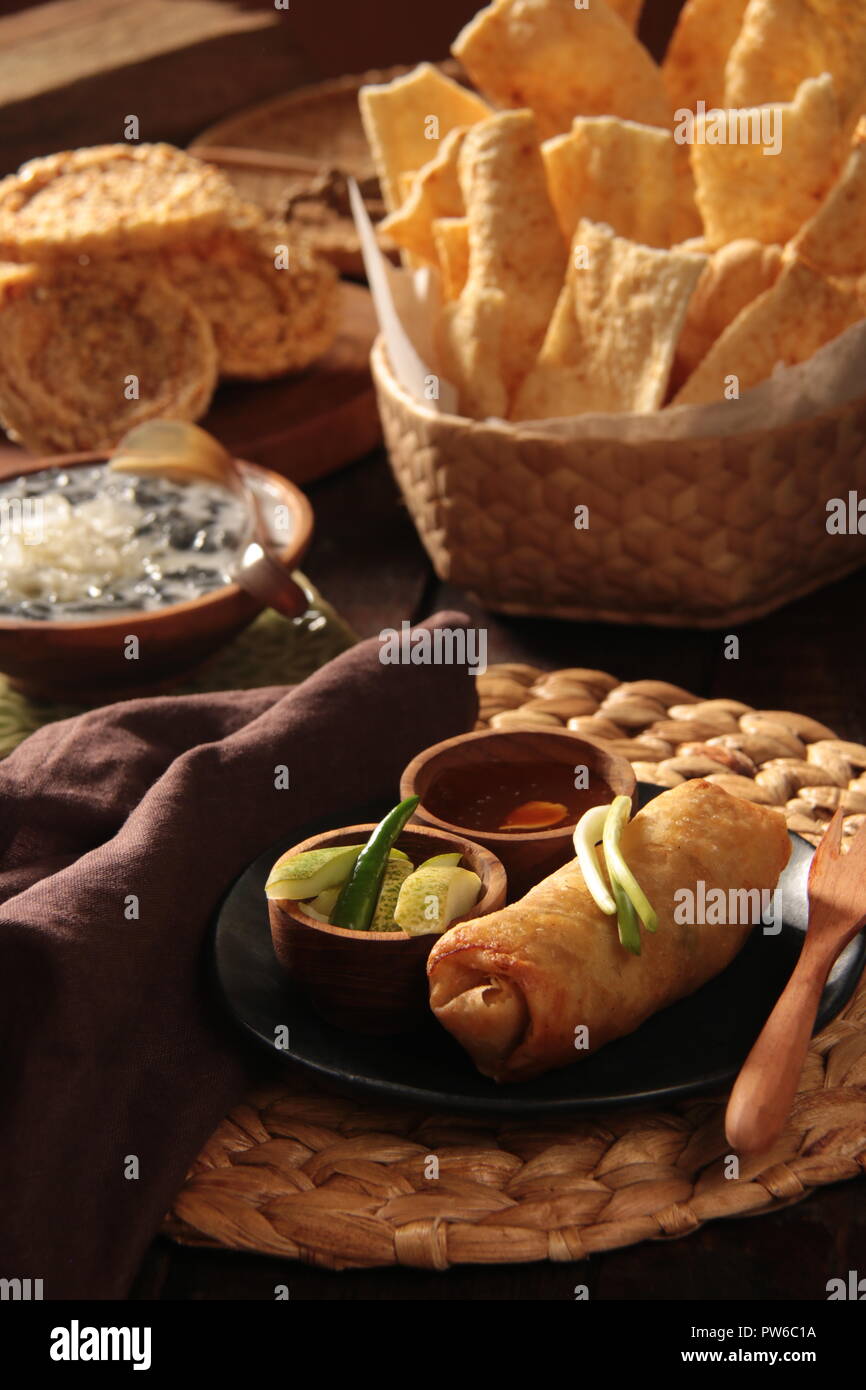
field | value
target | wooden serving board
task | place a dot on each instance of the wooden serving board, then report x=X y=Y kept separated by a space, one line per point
x=302 y=426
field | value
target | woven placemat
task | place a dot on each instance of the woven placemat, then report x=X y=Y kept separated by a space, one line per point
x=345 y=1183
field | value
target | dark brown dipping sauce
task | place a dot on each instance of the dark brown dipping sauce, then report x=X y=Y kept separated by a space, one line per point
x=481 y=797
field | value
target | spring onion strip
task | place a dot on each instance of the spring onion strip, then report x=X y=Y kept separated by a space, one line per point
x=587 y=834
x=616 y=866
x=626 y=919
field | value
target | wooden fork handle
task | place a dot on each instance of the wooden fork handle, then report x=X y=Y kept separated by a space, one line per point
x=764 y=1091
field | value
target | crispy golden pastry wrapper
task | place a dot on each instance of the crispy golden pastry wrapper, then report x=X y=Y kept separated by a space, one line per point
x=515 y=987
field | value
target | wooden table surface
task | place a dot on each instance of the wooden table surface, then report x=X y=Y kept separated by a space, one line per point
x=367 y=560
x=810 y=656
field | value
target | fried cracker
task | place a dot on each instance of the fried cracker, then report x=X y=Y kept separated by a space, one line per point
x=78 y=343
x=561 y=62
x=743 y=192
x=611 y=339
x=785 y=325
x=735 y=275
x=515 y=249
x=111 y=200
x=267 y=318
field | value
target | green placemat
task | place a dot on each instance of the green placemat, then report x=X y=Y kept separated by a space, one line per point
x=271 y=651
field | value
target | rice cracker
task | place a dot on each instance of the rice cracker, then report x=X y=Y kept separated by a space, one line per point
x=111 y=200
x=89 y=351
x=273 y=307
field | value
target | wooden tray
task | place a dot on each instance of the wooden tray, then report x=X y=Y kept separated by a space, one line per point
x=302 y=426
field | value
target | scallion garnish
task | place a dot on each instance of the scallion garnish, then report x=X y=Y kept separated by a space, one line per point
x=626 y=898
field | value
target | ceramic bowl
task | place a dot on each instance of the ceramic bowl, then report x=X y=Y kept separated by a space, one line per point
x=86 y=656
x=527 y=855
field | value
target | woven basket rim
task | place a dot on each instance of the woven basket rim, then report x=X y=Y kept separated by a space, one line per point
x=518 y=430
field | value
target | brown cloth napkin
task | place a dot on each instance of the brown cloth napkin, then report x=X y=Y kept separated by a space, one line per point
x=112 y=1045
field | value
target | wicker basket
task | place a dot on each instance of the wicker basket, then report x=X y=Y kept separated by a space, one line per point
x=685 y=532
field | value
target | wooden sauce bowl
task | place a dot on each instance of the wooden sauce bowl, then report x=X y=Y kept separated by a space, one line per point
x=83 y=658
x=373 y=982
x=528 y=855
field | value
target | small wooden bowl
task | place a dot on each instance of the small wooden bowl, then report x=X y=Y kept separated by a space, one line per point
x=373 y=982
x=85 y=656
x=528 y=855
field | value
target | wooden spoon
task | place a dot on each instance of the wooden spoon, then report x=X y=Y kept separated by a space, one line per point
x=178 y=450
x=765 y=1088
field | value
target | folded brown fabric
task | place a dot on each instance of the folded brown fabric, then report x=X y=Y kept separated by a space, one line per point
x=112 y=1045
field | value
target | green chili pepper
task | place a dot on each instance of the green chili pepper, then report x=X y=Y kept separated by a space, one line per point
x=356 y=904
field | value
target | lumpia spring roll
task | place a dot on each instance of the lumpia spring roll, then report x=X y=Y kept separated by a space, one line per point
x=515 y=986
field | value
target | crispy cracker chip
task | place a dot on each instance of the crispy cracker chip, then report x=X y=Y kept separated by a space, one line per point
x=735 y=275
x=611 y=339
x=834 y=240
x=515 y=246
x=782 y=42
x=693 y=69
x=686 y=221
x=561 y=62
x=433 y=192
x=451 y=235
x=470 y=344
x=398 y=119
x=787 y=324
x=743 y=192
x=628 y=11
x=614 y=171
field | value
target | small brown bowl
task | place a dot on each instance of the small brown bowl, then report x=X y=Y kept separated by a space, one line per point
x=85 y=657
x=373 y=982
x=528 y=855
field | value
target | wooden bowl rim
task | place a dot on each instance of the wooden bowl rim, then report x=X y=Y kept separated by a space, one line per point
x=494 y=867
x=302 y=514
x=506 y=837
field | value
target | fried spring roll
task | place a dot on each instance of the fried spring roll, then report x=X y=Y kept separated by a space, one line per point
x=515 y=987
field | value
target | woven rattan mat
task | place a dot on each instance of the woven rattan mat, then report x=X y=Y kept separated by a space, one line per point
x=343 y=1183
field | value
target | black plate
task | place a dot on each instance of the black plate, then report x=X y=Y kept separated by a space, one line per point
x=698 y=1044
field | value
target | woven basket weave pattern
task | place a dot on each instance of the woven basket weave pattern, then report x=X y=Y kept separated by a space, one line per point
x=705 y=532
x=345 y=1183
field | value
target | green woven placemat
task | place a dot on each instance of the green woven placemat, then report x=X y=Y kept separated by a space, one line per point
x=272 y=651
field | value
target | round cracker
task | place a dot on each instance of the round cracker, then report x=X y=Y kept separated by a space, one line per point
x=77 y=341
x=268 y=318
x=113 y=199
